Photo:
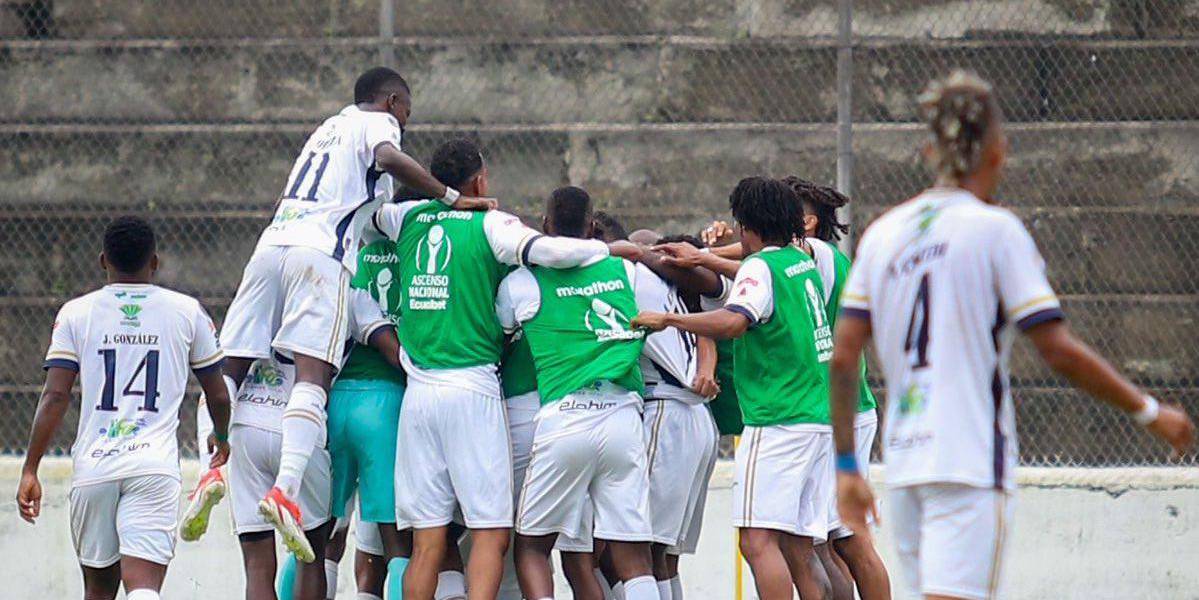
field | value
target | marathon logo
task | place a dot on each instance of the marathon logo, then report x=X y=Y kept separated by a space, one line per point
x=458 y=215
x=593 y=289
x=799 y=268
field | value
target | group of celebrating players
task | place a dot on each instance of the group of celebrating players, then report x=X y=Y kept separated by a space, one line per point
x=461 y=384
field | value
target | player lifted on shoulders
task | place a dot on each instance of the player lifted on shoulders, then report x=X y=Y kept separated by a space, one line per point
x=941 y=283
x=454 y=450
x=776 y=309
x=293 y=293
x=132 y=344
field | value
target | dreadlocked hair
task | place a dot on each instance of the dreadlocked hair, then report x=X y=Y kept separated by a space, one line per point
x=960 y=111
x=822 y=201
x=769 y=208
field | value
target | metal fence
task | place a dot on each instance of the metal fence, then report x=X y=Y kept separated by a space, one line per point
x=190 y=113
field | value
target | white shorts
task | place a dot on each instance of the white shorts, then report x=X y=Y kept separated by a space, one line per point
x=864 y=427
x=292 y=299
x=367 y=538
x=588 y=445
x=253 y=465
x=522 y=415
x=782 y=479
x=135 y=516
x=453 y=452
x=951 y=538
x=681 y=441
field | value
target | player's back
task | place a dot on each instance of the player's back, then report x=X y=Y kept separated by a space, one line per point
x=334 y=187
x=133 y=346
x=943 y=277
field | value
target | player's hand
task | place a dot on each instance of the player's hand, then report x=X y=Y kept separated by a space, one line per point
x=626 y=250
x=1175 y=428
x=719 y=233
x=652 y=321
x=705 y=385
x=855 y=500
x=472 y=203
x=219 y=451
x=680 y=254
x=29 y=496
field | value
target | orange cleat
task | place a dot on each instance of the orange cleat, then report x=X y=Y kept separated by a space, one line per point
x=284 y=516
x=208 y=494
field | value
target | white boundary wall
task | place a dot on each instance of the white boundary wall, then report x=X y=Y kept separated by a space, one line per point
x=1079 y=533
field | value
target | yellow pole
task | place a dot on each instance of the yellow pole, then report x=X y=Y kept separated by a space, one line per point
x=738 y=575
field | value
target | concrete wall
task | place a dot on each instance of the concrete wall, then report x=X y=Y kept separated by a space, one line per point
x=1079 y=534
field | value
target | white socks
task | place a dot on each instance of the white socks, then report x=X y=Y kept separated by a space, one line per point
x=330 y=579
x=303 y=422
x=142 y=594
x=604 y=585
x=664 y=590
x=451 y=585
x=641 y=588
x=366 y=596
x=676 y=588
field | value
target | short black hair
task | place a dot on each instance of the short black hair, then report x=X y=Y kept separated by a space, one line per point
x=456 y=161
x=128 y=244
x=684 y=238
x=569 y=209
x=608 y=227
x=376 y=83
x=822 y=201
x=769 y=208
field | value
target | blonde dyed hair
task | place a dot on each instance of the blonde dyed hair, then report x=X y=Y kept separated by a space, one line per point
x=960 y=111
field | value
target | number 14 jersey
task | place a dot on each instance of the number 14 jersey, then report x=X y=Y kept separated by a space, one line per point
x=942 y=279
x=133 y=346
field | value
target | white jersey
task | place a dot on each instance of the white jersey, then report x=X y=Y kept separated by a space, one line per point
x=133 y=346
x=263 y=393
x=826 y=266
x=670 y=357
x=942 y=279
x=334 y=186
x=512 y=243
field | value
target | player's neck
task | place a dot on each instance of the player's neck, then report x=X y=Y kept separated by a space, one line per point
x=975 y=184
x=127 y=279
x=371 y=107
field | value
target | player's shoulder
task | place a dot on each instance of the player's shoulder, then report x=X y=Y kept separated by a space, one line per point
x=80 y=305
x=499 y=218
x=357 y=116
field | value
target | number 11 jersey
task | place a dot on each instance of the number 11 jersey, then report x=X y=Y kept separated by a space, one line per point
x=133 y=346
x=943 y=278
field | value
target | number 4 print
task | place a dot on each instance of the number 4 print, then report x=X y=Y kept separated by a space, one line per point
x=917 y=339
x=149 y=391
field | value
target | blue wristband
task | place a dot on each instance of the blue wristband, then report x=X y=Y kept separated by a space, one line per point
x=847 y=463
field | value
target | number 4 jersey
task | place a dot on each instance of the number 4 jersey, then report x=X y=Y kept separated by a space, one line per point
x=942 y=279
x=133 y=346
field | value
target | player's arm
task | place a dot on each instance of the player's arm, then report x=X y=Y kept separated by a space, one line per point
x=205 y=360
x=219 y=407
x=691 y=280
x=512 y=243
x=1088 y=371
x=56 y=398
x=688 y=256
x=854 y=496
x=387 y=342
x=705 y=383
x=720 y=324
x=407 y=171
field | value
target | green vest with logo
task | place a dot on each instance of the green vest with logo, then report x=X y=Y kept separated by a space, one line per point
x=379 y=274
x=781 y=369
x=725 y=408
x=517 y=373
x=841 y=265
x=581 y=334
x=448 y=278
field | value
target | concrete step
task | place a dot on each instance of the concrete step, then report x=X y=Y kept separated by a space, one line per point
x=85 y=19
x=602 y=81
x=675 y=174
